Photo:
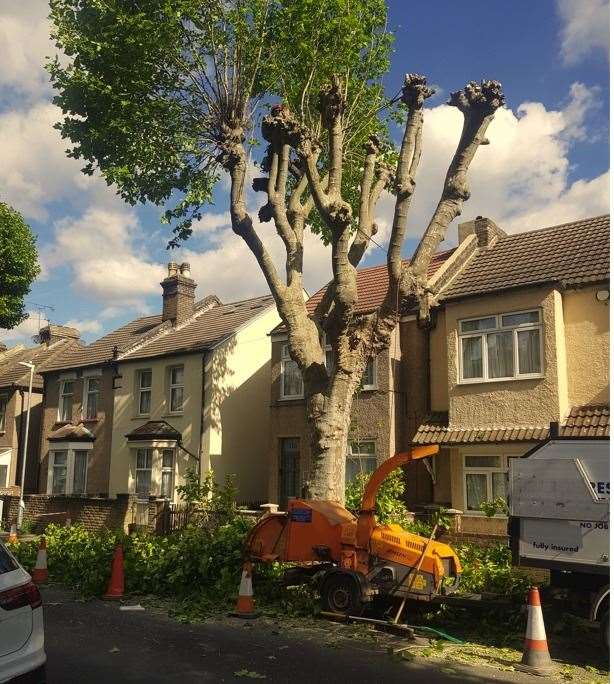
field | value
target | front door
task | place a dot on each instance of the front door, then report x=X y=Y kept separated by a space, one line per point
x=289 y=470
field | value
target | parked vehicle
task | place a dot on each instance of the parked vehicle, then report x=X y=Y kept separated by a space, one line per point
x=559 y=519
x=354 y=558
x=22 y=641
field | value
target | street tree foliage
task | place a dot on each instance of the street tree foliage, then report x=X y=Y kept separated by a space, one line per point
x=164 y=97
x=18 y=265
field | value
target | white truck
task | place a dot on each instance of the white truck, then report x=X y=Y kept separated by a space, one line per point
x=559 y=518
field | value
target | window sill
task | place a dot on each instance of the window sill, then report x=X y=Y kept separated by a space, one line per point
x=298 y=397
x=368 y=388
x=91 y=420
x=176 y=414
x=490 y=381
x=482 y=516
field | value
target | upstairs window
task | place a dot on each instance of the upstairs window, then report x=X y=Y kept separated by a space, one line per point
x=144 y=392
x=92 y=390
x=3 y=403
x=291 y=378
x=66 y=394
x=501 y=347
x=176 y=389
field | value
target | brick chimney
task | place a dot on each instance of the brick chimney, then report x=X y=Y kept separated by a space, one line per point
x=177 y=293
x=486 y=230
x=52 y=333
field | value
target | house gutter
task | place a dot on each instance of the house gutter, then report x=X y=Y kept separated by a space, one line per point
x=202 y=415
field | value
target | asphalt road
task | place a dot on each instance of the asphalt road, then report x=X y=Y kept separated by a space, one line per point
x=95 y=642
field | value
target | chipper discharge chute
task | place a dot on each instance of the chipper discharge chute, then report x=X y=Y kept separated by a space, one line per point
x=354 y=558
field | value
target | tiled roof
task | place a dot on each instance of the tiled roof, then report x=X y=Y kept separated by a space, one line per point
x=587 y=421
x=203 y=331
x=435 y=430
x=583 y=421
x=570 y=254
x=12 y=374
x=154 y=429
x=372 y=283
x=148 y=336
x=71 y=433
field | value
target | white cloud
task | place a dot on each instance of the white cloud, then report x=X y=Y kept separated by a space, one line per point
x=520 y=180
x=104 y=249
x=24 y=46
x=25 y=331
x=586 y=27
x=85 y=326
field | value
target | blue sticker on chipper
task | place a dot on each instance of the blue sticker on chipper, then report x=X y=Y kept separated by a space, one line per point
x=302 y=515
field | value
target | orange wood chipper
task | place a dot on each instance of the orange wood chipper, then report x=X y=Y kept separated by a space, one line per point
x=353 y=558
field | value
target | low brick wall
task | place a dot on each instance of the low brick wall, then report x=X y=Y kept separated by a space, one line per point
x=93 y=513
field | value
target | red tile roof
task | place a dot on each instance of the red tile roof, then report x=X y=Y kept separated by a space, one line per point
x=372 y=283
x=587 y=421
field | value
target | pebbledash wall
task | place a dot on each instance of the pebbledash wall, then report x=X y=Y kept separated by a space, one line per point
x=93 y=513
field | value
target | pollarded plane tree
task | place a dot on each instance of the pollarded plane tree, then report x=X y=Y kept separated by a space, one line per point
x=160 y=99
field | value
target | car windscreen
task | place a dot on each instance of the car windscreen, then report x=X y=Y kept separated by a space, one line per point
x=7 y=562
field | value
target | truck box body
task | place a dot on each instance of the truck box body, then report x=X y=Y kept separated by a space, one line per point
x=559 y=506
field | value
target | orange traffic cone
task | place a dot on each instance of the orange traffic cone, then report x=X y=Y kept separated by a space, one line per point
x=245 y=600
x=40 y=574
x=13 y=533
x=536 y=657
x=115 y=590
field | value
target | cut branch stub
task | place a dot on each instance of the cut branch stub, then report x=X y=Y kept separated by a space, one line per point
x=415 y=91
x=485 y=97
x=280 y=127
x=332 y=101
x=373 y=145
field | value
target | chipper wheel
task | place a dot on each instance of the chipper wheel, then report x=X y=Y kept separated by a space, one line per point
x=340 y=594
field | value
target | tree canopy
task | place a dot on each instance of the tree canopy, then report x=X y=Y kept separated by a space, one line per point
x=19 y=260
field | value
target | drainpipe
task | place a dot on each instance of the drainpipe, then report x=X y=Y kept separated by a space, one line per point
x=20 y=437
x=202 y=419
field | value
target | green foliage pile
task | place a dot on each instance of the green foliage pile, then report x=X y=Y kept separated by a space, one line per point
x=489 y=569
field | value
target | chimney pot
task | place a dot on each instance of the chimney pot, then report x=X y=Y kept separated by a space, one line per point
x=185 y=269
x=172 y=269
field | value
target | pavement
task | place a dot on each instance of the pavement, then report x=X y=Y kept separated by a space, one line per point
x=95 y=642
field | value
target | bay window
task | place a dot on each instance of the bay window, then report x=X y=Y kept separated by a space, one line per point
x=501 y=347
x=485 y=479
x=291 y=378
x=68 y=469
x=168 y=462
x=143 y=473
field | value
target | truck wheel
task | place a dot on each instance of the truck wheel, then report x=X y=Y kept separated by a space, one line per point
x=605 y=630
x=341 y=595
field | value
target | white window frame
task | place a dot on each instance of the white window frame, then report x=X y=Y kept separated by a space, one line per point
x=483 y=334
x=70 y=448
x=503 y=467
x=362 y=454
x=370 y=362
x=63 y=394
x=151 y=451
x=86 y=393
x=5 y=461
x=167 y=469
x=142 y=390
x=4 y=402
x=285 y=359
x=173 y=386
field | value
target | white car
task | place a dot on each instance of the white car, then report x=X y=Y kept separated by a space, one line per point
x=22 y=639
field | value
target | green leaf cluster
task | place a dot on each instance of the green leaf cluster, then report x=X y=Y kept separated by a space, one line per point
x=148 y=89
x=19 y=260
x=489 y=569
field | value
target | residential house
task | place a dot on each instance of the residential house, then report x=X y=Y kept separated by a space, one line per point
x=187 y=388
x=518 y=339
x=53 y=340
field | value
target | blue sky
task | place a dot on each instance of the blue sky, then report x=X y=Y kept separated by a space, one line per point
x=547 y=162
